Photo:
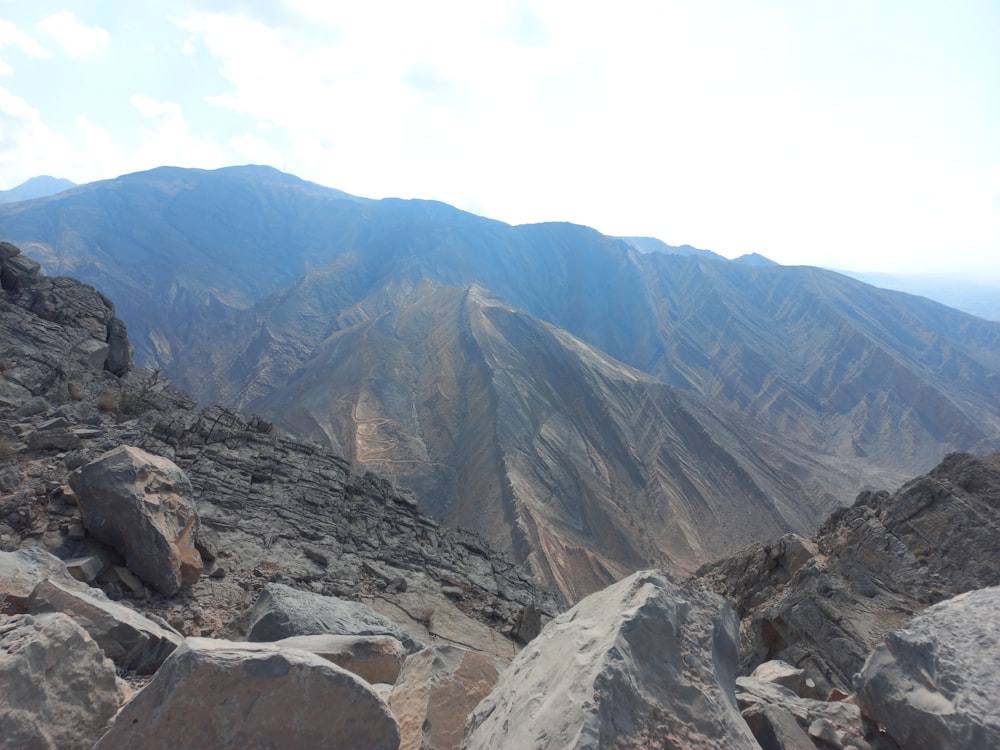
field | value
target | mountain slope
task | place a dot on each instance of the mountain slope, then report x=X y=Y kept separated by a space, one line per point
x=36 y=187
x=269 y=293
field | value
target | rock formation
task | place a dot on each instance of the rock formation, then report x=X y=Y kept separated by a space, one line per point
x=824 y=604
x=646 y=662
x=270 y=697
x=934 y=683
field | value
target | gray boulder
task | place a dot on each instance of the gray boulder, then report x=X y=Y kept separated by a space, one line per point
x=220 y=694
x=130 y=640
x=373 y=658
x=282 y=612
x=647 y=662
x=59 y=690
x=142 y=505
x=935 y=683
x=20 y=572
x=437 y=690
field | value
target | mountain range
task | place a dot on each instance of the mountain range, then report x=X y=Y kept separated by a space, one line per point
x=591 y=404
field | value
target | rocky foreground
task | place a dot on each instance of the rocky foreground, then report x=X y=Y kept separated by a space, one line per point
x=174 y=578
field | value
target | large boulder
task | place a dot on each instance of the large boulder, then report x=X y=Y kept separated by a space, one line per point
x=935 y=683
x=373 y=658
x=20 y=572
x=221 y=694
x=130 y=640
x=59 y=690
x=142 y=505
x=282 y=612
x=647 y=662
x=435 y=693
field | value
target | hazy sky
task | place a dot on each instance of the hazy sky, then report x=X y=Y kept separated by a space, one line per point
x=860 y=134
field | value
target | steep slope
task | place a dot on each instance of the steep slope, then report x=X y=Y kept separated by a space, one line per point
x=270 y=293
x=583 y=467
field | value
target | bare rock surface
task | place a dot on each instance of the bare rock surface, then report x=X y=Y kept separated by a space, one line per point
x=219 y=694
x=59 y=691
x=934 y=683
x=22 y=570
x=143 y=506
x=373 y=658
x=646 y=662
x=130 y=640
x=823 y=605
x=437 y=690
x=282 y=612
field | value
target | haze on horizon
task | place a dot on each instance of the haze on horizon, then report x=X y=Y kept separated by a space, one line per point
x=848 y=136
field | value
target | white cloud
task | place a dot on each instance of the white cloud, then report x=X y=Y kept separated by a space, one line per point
x=75 y=38
x=168 y=139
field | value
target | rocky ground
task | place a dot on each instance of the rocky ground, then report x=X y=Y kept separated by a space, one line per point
x=158 y=562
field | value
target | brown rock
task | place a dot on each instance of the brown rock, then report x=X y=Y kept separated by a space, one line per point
x=141 y=505
x=220 y=694
x=435 y=693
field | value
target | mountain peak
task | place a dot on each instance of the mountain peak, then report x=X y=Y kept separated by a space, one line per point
x=36 y=187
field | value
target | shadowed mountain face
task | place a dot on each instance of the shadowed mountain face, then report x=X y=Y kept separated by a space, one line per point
x=590 y=407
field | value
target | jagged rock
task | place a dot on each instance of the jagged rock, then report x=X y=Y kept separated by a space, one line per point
x=646 y=662
x=756 y=698
x=142 y=505
x=132 y=641
x=221 y=694
x=59 y=690
x=776 y=729
x=876 y=564
x=934 y=684
x=282 y=612
x=374 y=658
x=435 y=693
x=784 y=674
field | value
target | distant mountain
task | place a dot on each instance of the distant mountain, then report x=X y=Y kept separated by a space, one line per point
x=653 y=245
x=980 y=298
x=36 y=187
x=590 y=407
x=754 y=259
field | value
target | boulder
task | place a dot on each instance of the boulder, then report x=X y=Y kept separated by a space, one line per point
x=435 y=693
x=221 y=694
x=647 y=662
x=782 y=673
x=141 y=505
x=282 y=612
x=129 y=639
x=373 y=658
x=20 y=572
x=934 y=684
x=59 y=690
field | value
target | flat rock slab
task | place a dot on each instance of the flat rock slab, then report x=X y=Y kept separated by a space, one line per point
x=373 y=658
x=936 y=683
x=59 y=690
x=282 y=612
x=220 y=694
x=647 y=662
x=437 y=690
x=142 y=505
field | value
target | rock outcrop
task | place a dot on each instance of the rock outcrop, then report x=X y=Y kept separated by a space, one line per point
x=283 y=612
x=373 y=658
x=824 y=605
x=436 y=692
x=647 y=662
x=934 y=684
x=213 y=693
x=143 y=506
x=59 y=691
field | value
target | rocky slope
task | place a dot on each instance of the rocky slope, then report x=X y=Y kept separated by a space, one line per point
x=273 y=508
x=823 y=604
x=338 y=316
x=285 y=526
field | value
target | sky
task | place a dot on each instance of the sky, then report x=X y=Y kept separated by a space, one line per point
x=851 y=134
